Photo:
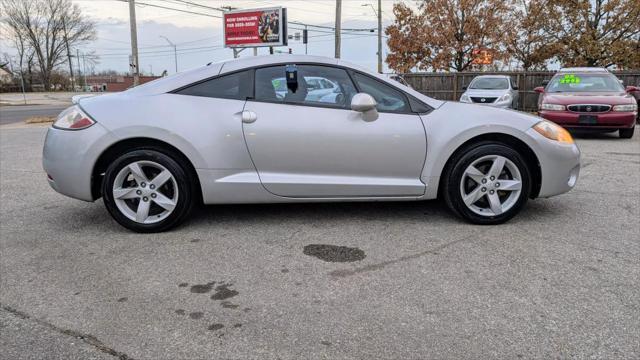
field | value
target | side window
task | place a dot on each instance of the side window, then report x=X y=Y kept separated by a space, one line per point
x=317 y=86
x=233 y=86
x=388 y=98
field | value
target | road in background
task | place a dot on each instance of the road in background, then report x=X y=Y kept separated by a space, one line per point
x=20 y=113
x=560 y=280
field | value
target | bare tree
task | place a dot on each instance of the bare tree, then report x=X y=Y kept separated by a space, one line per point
x=42 y=25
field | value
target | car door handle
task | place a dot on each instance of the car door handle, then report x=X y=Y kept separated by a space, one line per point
x=249 y=116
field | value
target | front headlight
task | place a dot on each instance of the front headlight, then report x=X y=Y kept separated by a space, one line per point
x=553 y=131
x=629 y=107
x=555 y=107
x=505 y=97
x=465 y=98
x=73 y=118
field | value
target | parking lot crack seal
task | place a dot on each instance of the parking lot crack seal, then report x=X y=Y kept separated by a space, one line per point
x=86 y=338
x=379 y=266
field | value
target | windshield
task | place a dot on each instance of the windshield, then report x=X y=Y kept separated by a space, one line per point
x=489 y=84
x=584 y=83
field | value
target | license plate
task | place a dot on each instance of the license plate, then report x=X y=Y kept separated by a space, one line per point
x=588 y=119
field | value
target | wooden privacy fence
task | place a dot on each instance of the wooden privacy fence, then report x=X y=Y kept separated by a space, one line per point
x=448 y=86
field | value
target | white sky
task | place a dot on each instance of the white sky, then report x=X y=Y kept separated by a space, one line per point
x=199 y=38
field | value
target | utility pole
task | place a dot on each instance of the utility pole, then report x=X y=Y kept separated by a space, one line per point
x=380 y=36
x=338 y=26
x=66 y=41
x=79 y=69
x=135 y=69
x=84 y=68
x=24 y=96
x=305 y=39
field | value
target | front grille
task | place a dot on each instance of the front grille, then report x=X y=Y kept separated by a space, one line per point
x=589 y=108
x=483 y=100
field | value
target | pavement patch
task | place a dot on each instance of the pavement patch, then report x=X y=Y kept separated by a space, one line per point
x=333 y=253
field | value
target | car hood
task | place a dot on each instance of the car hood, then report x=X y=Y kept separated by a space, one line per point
x=486 y=93
x=481 y=115
x=569 y=98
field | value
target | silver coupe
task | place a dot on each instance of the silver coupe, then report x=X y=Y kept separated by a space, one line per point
x=252 y=131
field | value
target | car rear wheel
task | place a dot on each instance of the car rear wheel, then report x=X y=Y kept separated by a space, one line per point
x=147 y=191
x=488 y=183
x=627 y=133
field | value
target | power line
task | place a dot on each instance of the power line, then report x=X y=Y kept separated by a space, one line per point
x=222 y=10
x=174 y=9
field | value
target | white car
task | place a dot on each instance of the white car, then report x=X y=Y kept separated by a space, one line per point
x=492 y=90
x=227 y=133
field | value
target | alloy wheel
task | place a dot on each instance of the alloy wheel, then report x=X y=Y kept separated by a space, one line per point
x=491 y=185
x=145 y=192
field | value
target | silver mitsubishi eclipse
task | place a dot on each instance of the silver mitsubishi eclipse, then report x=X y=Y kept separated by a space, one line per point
x=265 y=130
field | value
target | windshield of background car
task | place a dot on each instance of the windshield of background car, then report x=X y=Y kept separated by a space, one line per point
x=584 y=83
x=489 y=84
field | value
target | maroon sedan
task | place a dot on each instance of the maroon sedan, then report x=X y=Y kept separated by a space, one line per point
x=590 y=99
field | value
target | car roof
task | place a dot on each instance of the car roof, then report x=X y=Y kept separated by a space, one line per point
x=583 y=70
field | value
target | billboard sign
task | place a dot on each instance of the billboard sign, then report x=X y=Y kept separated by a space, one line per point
x=255 y=27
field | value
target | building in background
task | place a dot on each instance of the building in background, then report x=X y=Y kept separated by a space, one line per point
x=114 y=83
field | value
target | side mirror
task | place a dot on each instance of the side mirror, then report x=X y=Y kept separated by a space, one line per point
x=631 y=89
x=545 y=82
x=515 y=88
x=539 y=89
x=464 y=87
x=365 y=104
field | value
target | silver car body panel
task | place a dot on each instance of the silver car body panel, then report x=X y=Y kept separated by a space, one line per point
x=334 y=152
x=292 y=153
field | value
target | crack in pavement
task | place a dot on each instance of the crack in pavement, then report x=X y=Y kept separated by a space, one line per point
x=86 y=338
x=379 y=266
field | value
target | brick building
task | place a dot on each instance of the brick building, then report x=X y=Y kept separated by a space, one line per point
x=115 y=83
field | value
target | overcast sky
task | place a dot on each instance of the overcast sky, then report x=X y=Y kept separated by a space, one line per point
x=199 y=38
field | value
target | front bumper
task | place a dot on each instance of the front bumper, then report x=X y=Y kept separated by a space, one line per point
x=559 y=165
x=68 y=158
x=497 y=104
x=608 y=120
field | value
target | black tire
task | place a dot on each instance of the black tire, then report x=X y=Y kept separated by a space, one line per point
x=453 y=175
x=186 y=186
x=627 y=133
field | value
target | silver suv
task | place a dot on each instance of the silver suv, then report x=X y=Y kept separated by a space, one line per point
x=493 y=90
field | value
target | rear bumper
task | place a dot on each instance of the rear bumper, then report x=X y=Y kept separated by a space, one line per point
x=559 y=165
x=68 y=158
x=608 y=120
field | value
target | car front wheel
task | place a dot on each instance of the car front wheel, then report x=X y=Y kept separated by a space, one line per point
x=487 y=184
x=147 y=191
x=627 y=133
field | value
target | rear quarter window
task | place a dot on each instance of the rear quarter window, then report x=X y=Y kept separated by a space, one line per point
x=238 y=86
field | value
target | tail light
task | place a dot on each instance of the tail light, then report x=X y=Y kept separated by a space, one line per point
x=73 y=118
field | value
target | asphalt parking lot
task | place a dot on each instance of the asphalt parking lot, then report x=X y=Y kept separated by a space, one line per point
x=559 y=281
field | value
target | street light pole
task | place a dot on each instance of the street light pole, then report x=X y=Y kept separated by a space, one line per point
x=379 y=16
x=175 y=51
x=380 y=36
x=338 y=28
